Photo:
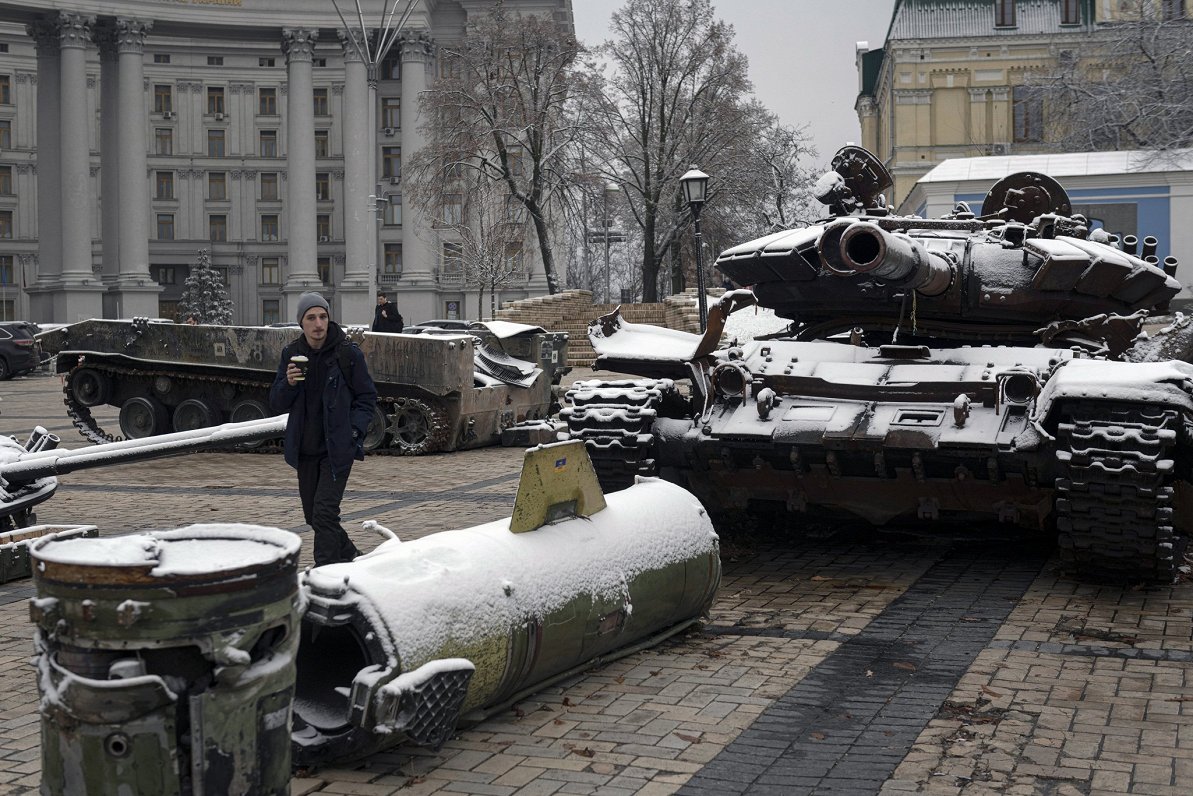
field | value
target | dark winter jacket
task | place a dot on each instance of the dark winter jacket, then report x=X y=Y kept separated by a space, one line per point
x=347 y=400
x=386 y=318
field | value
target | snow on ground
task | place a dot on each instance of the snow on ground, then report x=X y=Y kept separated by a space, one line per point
x=748 y=323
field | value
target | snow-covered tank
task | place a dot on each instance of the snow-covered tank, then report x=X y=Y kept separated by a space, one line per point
x=979 y=366
x=436 y=392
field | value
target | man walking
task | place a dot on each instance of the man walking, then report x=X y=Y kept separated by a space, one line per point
x=330 y=399
x=386 y=317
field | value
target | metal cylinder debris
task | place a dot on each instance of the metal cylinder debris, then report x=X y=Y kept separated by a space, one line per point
x=165 y=660
x=401 y=643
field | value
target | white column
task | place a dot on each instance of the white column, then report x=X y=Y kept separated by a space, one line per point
x=81 y=292
x=355 y=293
x=44 y=33
x=137 y=292
x=418 y=257
x=302 y=271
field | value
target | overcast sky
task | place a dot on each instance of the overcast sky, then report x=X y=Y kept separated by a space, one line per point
x=801 y=55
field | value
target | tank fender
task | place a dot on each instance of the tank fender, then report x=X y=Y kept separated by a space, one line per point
x=1154 y=383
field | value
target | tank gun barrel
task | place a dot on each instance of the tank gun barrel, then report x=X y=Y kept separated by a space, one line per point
x=855 y=247
x=46 y=461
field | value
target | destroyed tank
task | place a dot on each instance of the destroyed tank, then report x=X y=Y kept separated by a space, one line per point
x=936 y=372
x=436 y=392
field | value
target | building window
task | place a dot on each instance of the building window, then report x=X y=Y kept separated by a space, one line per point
x=453 y=259
x=161 y=58
x=6 y=270
x=1070 y=12
x=164 y=274
x=453 y=209
x=217 y=228
x=269 y=186
x=1173 y=9
x=391 y=67
x=215 y=99
x=321 y=102
x=393 y=258
x=163 y=141
x=266 y=62
x=215 y=60
x=5 y=133
x=271 y=271
x=215 y=143
x=1004 y=13
x=322 y=144
x=391 y=161
x=6 y=224
x=267 y=101
x=323 y=226
x=324 y=266
x=322 y=186
x=514 y=158
x=513 y=258
x=217 y=185
x=391 y=112
x=163 y=185
x=318 y=62
x=221 y=271
x=5 y=90
x=5 y=179
x=163 y=98
x=269 y=227
x=391 y=211
x=1028 y=109
x=165 y=226
x=270 y=308
x=269 y=143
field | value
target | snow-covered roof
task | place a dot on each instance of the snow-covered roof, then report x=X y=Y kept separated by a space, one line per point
x=1060 y=165
x=946 y=19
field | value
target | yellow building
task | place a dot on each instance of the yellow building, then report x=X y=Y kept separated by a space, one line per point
x=949 y=81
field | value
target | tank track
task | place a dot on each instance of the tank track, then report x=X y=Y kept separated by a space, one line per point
x=614 y=419
x=89 y=428
x=1114 y=493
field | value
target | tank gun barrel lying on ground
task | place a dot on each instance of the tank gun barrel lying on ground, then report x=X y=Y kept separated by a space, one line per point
x=27 y=471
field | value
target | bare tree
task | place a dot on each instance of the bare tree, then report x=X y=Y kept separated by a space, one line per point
x=501 y=113
x=1130 y=86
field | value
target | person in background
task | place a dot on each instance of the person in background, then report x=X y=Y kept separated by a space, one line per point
x=330 y=401
x=386 y=317
x=191 y=320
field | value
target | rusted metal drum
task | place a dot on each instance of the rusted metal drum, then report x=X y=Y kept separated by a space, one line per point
x=165 y=660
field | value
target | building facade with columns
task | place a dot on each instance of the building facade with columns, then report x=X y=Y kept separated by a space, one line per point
x=135 y=133
x=949 y=80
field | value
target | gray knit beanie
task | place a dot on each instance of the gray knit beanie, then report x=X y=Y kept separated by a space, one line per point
x=308 y=300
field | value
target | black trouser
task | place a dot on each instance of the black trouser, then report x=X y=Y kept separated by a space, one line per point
x=321 y=495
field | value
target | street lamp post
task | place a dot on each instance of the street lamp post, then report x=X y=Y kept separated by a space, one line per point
x=695 y=186
x=609 y=188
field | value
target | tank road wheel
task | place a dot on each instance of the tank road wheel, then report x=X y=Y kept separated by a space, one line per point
x=417 y=427
x=244 y=410
x=89 y=387
x=1115 y=493
x=143 y=416
x=194 y=413
x=377 y=432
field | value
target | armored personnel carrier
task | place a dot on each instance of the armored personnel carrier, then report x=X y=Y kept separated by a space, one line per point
x=979 y=366
x=436 y=393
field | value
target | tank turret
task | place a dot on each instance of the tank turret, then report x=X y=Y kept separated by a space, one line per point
x=1022 y=265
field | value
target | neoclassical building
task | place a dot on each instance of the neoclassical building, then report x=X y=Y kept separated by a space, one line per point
x=134 y=133
x=949 y=80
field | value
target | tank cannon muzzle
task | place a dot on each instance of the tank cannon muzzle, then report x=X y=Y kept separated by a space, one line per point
x=852 y=247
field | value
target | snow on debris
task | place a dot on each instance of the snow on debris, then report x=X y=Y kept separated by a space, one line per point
x=460 y=586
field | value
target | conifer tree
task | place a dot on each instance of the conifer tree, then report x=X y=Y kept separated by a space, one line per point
x=203 y=294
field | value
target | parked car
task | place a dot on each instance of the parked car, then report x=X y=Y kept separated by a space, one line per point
x=19 y=352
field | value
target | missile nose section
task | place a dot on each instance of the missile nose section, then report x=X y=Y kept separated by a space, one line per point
x=406 y=642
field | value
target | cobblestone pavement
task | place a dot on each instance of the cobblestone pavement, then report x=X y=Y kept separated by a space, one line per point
x=832 y=667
